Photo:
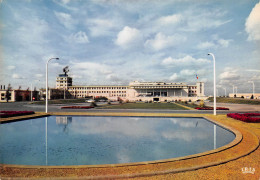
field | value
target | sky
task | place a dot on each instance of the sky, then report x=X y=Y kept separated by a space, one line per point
x=114 y=42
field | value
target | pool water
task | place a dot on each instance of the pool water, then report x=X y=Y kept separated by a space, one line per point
x=87 y=140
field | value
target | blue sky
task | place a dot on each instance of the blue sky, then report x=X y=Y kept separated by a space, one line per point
x=114 y=42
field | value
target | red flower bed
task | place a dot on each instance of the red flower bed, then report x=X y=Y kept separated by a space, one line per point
x=246 y=117
x=211 y=108
x=5 y=114
x=76 y=107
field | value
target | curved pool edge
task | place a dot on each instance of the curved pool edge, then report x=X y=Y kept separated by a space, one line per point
x=232 y=151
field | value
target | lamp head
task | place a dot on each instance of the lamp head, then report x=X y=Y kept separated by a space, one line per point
x=57 y=58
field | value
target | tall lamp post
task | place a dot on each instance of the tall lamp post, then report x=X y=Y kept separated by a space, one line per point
x=253 y=88
x=225 y=91
x=46 y=106
x=214 y=72
x=31 y=92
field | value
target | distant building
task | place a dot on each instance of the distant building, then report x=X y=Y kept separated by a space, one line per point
x=245 y=95
x=8 y=94
x=54 y=93
x=135 y=91
x=63 y=81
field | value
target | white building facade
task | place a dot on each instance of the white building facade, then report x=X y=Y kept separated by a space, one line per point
x=135 y=91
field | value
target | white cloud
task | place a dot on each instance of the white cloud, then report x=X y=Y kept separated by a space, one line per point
x=185 y=61
x=31 y=31
x=184 y=135
x=253 y=70
x=229 y=74
x=101 y=27
x=80 y=37
x=174 y=77
x=198 y=19
x=112 y=77
x=17 y=76
x=131 y=128
x=253 y=23
x=128 y=37
x=91 y=69
x=224 y=42
x=39 y=75
x=170 y=20
x=162 y=41
x=11 y=67
x=65 y=1
x=74 y=76
x=217 y=43
x=65 y=19
x=205 y=45
x=187 y=72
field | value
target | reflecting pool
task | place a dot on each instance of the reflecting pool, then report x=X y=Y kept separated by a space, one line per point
x=87 y=140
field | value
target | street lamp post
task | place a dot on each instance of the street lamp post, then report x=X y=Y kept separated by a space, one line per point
x=214 y=72
x=253 y=88
x=225 y=91
x=46 y=98
x=31 y=92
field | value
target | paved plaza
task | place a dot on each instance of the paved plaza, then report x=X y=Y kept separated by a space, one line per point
x=25 y=106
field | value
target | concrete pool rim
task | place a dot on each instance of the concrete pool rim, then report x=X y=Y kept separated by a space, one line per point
x=238 y=139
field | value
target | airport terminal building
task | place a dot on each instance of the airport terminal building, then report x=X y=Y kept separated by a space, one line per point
x=135 y=91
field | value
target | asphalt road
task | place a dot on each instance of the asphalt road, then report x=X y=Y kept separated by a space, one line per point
x=25 y=106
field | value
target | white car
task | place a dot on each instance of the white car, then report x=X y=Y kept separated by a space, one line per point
x=90 y=100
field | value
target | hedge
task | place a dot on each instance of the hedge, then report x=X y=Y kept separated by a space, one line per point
x=246 y=117
x=5 y=114
x=211 y=108
x=77 y=107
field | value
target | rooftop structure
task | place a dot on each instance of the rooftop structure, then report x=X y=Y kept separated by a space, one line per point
x=63 y=81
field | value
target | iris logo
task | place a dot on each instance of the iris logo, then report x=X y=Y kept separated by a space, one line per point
x=246 y=170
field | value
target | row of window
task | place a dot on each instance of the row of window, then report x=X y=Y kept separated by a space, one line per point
x=81 y=88
x=112 y=95
x=100 y=91
x=64 y=78
x=192 y=91
x=193 y=87
x=156 y=87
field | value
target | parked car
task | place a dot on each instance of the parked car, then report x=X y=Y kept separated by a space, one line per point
x=102 y=100
x=90 y=100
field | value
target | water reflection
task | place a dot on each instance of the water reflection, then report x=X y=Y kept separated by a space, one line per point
x=106 y=140
x=46 y=141
x=215 y=136
x=64 y=121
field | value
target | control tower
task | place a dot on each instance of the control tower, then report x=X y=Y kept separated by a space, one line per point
x=63 y=80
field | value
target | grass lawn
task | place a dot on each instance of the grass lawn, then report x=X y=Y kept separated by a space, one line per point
x=236 y=100
x=191 y=105
x=172 y=106
x=61 y=101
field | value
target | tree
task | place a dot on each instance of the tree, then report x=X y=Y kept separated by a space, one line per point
x=8 y=93
x=252 y=97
